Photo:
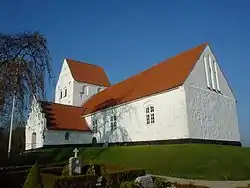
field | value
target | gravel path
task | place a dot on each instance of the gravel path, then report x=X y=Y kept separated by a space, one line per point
x=211 y=184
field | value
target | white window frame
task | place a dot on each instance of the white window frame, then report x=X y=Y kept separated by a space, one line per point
x=207 y=70
x=212 y=72
x=216 y=76
x=113 y=122
x=150 y=114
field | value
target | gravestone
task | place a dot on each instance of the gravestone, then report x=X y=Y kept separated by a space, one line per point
x=74 y=164
x=145 y=181
x=106 y=144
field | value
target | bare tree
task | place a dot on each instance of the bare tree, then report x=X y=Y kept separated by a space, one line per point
x=25 y=64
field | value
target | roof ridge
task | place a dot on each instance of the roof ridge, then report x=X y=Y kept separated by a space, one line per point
x=66 y=105
x=83 y=62
x=186 y=58
x=163 y=61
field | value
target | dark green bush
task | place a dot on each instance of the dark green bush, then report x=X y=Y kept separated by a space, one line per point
x=33 y=179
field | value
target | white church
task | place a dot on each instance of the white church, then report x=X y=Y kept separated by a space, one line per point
x=183 y=99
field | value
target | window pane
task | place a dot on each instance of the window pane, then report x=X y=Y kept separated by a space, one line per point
x=152 y=118
x=152 y=109
x=147 y=119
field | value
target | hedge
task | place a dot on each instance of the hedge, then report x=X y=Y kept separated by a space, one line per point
x=33 y=179
x=109 y=180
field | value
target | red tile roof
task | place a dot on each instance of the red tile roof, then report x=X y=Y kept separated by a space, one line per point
x=63 y=117
x=84 y=72
x=166 y=75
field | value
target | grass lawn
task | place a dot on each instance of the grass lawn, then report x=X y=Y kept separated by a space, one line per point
x=194 y=161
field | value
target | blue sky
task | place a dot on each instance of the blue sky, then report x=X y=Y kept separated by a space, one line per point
x=126 y=37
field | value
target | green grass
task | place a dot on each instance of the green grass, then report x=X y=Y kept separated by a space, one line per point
x=194 y=161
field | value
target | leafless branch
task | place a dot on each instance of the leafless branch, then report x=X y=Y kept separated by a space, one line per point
x=25 y=64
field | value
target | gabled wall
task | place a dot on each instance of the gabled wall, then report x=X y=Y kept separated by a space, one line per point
x=74 y=96
x=36 y=123
x=65 y=81
x=211 y=114
x=170 y=119
x=89 y=90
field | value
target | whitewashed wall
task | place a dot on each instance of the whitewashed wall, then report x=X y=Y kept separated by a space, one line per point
x=89 y=91
x=35 y=124
x=170 y=119
x=210 y=115
x=57 y=137
x=65 y=81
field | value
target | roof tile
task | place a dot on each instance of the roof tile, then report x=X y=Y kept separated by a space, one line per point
x=166 y=75
x=84 y=72
x=63 y=117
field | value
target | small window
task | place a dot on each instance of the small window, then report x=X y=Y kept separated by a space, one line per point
x=67 y=136
x=94 y=123
x=113 y=123
x=83 y=89
x=99 y=89
x=150 y=115
x=65 y=93
x=61 y=93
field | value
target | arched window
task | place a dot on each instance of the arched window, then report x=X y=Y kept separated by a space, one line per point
x=94 y=141
x=99 y=89
x=66 y=136
x=33 y=140
x=150 y=114
x=84 y=90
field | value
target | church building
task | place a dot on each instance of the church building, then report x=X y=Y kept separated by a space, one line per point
x=185 y=98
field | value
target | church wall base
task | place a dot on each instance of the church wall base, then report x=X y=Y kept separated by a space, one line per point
x=154 y=142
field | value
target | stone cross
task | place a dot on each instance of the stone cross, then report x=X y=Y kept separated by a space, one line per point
x=74 y=164
x=75 y=151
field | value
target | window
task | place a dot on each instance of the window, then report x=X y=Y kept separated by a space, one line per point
x=94 y=123
x=208 y=71
x=65 y=92
x=216 y=76
x=113 y=123
x=150 y=115
x=61 y=94
x=99 y=89
x=84 y=91
x=67 y=136
x=211 y=73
